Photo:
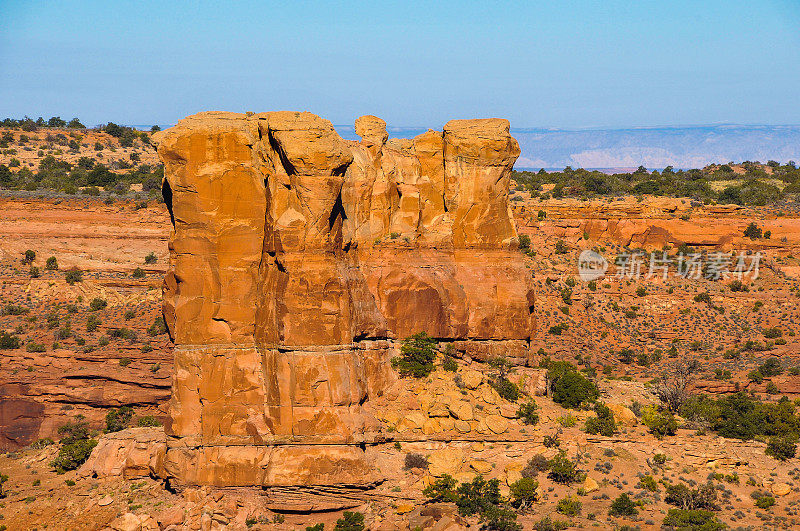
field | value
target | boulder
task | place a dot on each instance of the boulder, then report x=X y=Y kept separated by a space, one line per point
x=133 y=522
x=622 y=415
x=780 y=489
x=590 y=485
x=472 y=379
x=480 y=466
x=130 y=453
x=462 y=410
x=497 y=424
x=445 y=461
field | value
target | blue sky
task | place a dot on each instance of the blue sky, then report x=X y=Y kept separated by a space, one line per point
x=565 y=64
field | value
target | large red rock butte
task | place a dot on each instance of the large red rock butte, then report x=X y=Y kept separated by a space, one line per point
x=299 y=258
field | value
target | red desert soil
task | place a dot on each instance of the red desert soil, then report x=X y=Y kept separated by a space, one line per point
x=125 y=360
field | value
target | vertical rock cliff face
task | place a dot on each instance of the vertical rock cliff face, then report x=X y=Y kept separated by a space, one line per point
x=297 y=258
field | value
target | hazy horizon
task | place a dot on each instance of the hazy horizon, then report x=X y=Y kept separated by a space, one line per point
x=629 y=147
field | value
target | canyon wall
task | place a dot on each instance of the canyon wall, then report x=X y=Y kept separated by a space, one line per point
x=297 y=259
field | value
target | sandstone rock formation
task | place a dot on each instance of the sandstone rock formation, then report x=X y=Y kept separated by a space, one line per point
x=298 y=258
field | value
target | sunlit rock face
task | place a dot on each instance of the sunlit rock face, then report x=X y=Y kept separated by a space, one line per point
x=298 y=258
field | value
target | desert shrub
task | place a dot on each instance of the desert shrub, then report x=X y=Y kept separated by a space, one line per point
x=703 y=297
x=623 y=506
x=752 y=231
x=722 y=374
x=414 y=460
x=15 y=309
x=771 y=367
x=603 y=423
x=150 y=258
x=350 y=521
x=765 y=502
x=551 y=441
x=684 y=520
x=673 y=385
x=499 y=379
x=737 y=285
x=496 y=518
x=647 y=482
x=441 y=490
x=35 y=347
x=34 y=272
x=3 y=479
x=548 y=524
x=527 y=412
x=65 y=331
x=537 y=463
x=148 y=421
x=782 y=448
x=561 y=247
x=506 y=388
x=129 y=314
x=118 y=419
x=417 y=354
x=740 y=416
x=567 y=421
x=52 y=320
x=42 y=443
x=568 y=387
x=316 y=527
x=8 y=341
x=29 y=256
x=477 y=496
x=73 y=275
x=124 y=361
x=569 y=506
x=76 y=446
x=523 y=492
x=138 y=273
x=660 y=423
x=97 y=304
x=123 y=333
x=160 y=327
x=524 y=242
x=92 y=322
x=683 y=497
x=626 y=356
x=563 y=470
x=449 y=363
x=566 y=296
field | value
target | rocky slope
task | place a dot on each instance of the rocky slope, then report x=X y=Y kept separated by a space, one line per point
x=64 y=366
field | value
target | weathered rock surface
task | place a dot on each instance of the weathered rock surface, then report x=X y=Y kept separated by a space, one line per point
x=132 y=453
x=297 y=258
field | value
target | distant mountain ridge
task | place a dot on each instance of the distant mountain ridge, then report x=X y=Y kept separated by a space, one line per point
x=652 y=147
